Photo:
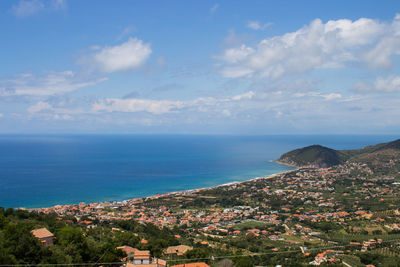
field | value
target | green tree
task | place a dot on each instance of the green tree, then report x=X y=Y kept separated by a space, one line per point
x=244 y=262
x=20 y=243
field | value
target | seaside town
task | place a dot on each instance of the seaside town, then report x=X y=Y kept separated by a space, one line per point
x=281 y=117
x=345 y=215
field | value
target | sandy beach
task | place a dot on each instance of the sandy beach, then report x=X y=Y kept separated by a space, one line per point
x=176 y=193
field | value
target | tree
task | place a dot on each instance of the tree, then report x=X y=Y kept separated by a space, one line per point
x=72 y=239
x=3 y=221
x=20 y=243
x=197 y=253
x=225 y=263
x=244 y=262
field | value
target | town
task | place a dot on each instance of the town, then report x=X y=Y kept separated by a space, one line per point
x=323 y=215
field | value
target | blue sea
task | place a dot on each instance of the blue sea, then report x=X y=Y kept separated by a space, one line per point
x=42 y=171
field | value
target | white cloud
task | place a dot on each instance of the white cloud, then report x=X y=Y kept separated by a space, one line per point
x=136 y=105
x=159 y=107
x=53 y=83
x=256 y=25
x=26 y=8
x=389 y=84
x=318 y=45
x=57 y=111
x=311 y=111
x=332 y=96
x=236 y=72
x=65 y=117
x=126 y=56
x=126 y=32
x=234 y=55
x=39 y=106
x=1 y=115
x=380 y=56
x=248 y=95
x=59 y=4
x=214 y=8
x=226 y=113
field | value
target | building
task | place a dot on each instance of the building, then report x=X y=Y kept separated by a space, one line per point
x=177 y=250
x=141 y=258
x=129 y=251
x=152 y=263
x=44 y=236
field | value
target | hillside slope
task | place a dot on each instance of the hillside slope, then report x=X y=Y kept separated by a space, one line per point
x=315 y=155
x=321 y=156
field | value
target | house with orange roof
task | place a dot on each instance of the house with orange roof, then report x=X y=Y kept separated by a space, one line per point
x=142 y=258
x=177 y=250
x=45 y=236
x=153 y=263
x=129 y=251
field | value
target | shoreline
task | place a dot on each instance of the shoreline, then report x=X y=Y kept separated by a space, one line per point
x=158 y=195
x=286 y=164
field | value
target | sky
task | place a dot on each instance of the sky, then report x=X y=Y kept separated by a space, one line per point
x=199 y=67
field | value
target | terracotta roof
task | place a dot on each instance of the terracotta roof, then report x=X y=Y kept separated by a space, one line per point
x=42 y=233
x=179 y=250
x=141 y=254
x=128 y=250
x=161 y=262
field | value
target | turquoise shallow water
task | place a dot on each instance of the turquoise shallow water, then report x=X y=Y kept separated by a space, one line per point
x=41 y=171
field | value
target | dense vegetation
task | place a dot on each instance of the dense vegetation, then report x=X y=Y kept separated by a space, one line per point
x=320 y=156
x=313 y=155
x=73 y=243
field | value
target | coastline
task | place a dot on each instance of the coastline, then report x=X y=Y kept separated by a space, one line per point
x=286 y=164
x=57 y=183
x=175 y=193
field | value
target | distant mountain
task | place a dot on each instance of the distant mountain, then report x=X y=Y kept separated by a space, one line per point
x=321 y=156
x=313 y=155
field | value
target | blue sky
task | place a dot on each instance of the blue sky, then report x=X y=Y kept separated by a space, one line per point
x=200 y=67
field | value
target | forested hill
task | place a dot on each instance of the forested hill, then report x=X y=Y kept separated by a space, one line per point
x=321 y=156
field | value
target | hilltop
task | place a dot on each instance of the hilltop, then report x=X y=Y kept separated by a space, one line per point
x=321 y=156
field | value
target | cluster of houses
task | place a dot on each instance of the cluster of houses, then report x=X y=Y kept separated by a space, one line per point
x=305 y=195
x=142 y=258
x=327 y=256
x=307 y=185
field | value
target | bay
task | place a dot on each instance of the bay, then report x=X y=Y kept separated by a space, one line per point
x=46 y=170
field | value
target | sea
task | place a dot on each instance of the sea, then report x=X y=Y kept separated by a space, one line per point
x=47 y=170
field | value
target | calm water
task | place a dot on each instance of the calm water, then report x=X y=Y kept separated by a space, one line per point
x=41 y=171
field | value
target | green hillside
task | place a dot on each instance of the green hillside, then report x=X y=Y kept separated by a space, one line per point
x=321 y=156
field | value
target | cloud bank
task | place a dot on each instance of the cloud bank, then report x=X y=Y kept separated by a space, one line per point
x=318 y=45
x=390 y=84
x=53 y=83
